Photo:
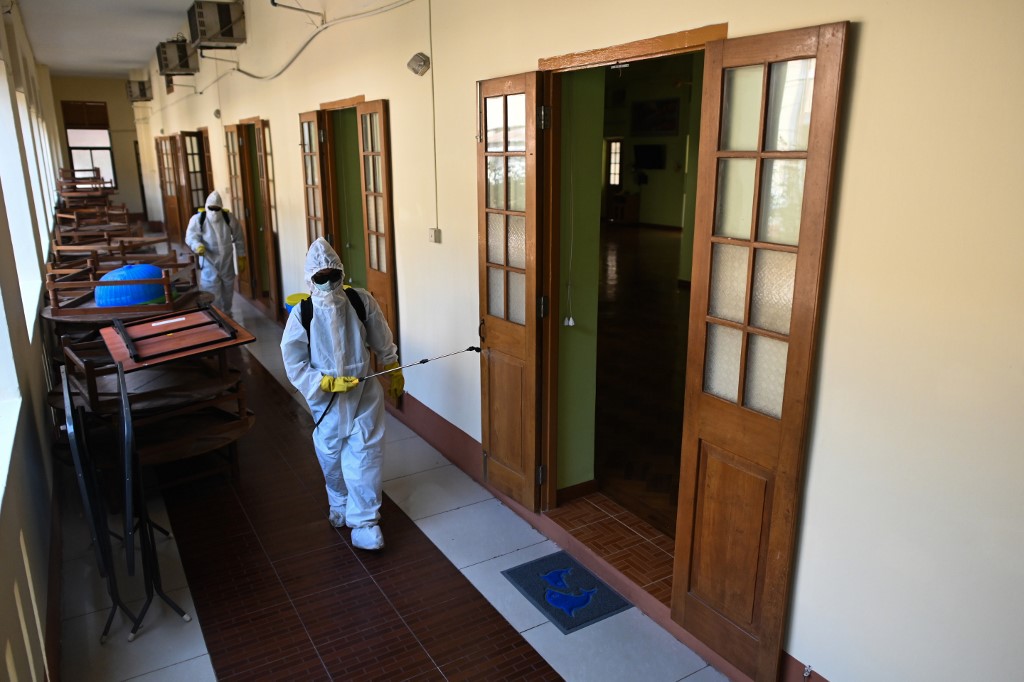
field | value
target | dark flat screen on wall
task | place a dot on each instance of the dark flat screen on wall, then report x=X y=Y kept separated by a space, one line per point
x=649 y=156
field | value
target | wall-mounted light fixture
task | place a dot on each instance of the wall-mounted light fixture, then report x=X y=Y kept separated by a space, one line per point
x=419 y=63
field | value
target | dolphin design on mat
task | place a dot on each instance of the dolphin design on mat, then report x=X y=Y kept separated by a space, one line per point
x=570 y=603
x=556 y=578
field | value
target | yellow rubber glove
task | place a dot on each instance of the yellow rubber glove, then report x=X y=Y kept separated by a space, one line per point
x=397 y=387
x=243 y=263
x=338 y=384
x=201 y=249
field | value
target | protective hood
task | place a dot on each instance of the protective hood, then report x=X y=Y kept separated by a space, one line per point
x=321 y=256
x=214 y=200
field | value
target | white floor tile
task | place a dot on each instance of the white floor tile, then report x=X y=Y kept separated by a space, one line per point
x=488 y=580
x=434 y=491
x=395 y=430
x=410 y=456
x=198 y=669
x=163 y=640
x=626 y=646
x=478 y=532
x=707 y=674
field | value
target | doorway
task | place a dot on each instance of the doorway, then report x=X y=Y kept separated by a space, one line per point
x=638 y=212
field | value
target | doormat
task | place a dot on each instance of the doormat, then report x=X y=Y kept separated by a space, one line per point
x=568 y=594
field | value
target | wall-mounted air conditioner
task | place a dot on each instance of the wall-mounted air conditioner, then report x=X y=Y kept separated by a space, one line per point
x=139 y=91
x=176 y=58
x=216 y=25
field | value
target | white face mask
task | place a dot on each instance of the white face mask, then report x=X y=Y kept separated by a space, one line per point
x=328 y=285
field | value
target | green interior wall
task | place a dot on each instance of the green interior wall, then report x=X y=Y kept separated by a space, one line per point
x=351 y=238
x=582 y=169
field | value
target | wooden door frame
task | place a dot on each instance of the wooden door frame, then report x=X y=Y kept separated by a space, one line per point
x=550 y=231
x=273 y=305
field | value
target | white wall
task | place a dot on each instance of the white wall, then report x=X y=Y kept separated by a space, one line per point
x=910 y=560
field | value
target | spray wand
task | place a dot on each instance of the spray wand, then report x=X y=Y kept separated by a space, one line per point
x=421 y=362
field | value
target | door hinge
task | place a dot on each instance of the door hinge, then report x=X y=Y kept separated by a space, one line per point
x=543 y=117
x=484 y=453
x=321 y=136
x=542 y=307
x=540 y=475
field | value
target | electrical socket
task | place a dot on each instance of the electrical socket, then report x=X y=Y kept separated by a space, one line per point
x=434 y=235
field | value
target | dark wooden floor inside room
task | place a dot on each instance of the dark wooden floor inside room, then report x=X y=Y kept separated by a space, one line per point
x=281 y=594
x=641 y=361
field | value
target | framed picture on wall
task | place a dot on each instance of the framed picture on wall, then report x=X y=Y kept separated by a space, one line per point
x=654 y=117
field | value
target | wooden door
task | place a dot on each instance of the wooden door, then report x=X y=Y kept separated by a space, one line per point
x=508 y=216
x=239 y=208
x=311 y=143
x=766 y=156
x=192 y=187
x=166 y=156
x=270 y=278
x=378 y=223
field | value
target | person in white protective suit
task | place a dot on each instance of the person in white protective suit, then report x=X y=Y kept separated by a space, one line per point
x=214 y=235
x=324 y=364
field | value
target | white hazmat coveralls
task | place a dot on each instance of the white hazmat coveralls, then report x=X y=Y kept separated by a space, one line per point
x=221 y=234
x=349 y=440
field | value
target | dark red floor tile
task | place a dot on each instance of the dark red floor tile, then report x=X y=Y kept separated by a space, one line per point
x=576 y=514
x=431 y=581
x=607 y=537
x=305 y=574
x=244 y=642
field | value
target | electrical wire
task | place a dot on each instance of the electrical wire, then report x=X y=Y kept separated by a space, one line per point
x=569 y=320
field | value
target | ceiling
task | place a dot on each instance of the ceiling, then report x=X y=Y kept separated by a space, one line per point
x=99 y=37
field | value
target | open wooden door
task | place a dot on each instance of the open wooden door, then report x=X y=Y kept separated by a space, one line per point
x=311 y=142
x=238 y=199
x=268 y=276
x=766 y=156
x=192 y=187
x=378 y=223
x=508 y=210
x=166 y=158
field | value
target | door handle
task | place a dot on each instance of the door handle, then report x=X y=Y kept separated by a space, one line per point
x=480 y=330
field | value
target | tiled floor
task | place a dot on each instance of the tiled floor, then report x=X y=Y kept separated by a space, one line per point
x=276 y=593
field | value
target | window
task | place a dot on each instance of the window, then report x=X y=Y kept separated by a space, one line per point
x=88 y=136
x=614 y=162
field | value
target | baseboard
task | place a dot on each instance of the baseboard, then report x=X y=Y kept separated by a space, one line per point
x=465 y=452
x=573 y=492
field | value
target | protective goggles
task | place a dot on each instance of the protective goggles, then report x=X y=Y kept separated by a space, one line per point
x=328 y=276
x=213 y=208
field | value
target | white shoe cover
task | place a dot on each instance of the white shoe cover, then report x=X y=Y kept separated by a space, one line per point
x=369 y=538
x=337 y=519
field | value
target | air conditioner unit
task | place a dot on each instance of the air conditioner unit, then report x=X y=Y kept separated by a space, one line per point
x=216 y=25
x=139 y=91
x=176 y=58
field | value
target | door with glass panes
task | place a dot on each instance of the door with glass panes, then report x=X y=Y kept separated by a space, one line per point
x=507 y=197
x=768 y=126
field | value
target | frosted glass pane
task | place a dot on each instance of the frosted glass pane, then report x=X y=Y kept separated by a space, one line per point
x=517 y=183
x=734 y=207
x=766 y=375
x=517 y=297
x=495 y=116
x=371 y=213
x=307 y=145
x=368 y=173
x=741 y=107
x=517 y=241
x=516 y=122
x=772 y=304
x=371 y=133
x=496 y=238
x=382 y=254
x=496 y=292
x=80 y=137
x=782 y=199
x=728 y=281
x=379 y=225
x=790 y=90
x=495 y=182
x=371 y=246
x=722 y=362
